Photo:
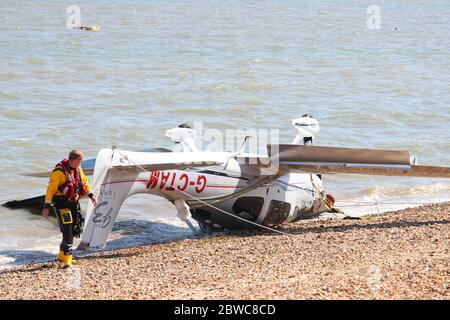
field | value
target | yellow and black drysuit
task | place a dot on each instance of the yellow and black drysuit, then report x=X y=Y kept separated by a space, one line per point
x=65 y=188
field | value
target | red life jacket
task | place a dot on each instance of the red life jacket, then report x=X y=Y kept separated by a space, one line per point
x=74 y=187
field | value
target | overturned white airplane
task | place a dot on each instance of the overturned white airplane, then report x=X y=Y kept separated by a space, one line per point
x=234 y=189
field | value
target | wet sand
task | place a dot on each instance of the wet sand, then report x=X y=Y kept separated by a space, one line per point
x=395 y=255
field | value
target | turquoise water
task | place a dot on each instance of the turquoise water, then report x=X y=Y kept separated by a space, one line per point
x=233 y=64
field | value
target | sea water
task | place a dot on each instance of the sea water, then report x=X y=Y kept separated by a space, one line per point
x=230 y=65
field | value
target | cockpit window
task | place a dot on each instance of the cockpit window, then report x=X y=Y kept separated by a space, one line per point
x=277 y=213
x=248 y=207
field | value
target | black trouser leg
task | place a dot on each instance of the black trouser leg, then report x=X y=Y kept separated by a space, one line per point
x=67 y=240
x=66 y=229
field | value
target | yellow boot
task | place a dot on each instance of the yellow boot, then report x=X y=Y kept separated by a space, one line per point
x=60 y=256
x=68 y=261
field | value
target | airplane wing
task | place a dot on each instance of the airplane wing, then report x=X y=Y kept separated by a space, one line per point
x=149 y=160
x=88 y=165
x=34 y=205
x=285 y=158
x=300 y=153
x=376 y=170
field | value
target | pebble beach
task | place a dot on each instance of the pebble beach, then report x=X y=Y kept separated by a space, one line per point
x=394 y=255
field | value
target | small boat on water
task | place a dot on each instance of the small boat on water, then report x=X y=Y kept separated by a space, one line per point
x=88 y=28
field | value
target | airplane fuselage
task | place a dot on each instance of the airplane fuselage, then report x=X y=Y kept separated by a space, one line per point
x=286 y=199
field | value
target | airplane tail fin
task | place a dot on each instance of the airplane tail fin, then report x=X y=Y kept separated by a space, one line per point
x=110 y=196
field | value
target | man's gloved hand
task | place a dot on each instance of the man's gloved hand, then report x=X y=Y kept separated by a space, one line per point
x=45 y=212
x=78 y=225
x=92 y=197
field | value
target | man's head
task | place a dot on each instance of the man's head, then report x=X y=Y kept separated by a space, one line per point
x=75 y=158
